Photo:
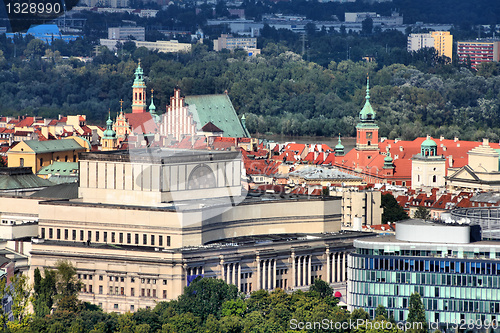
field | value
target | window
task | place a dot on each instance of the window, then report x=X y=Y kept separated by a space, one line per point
x=116 y=290
x=132 y=292
x=41 y=162
x=111 y=290
x=154 y=293
x=164 y=294
x=131 y=308
x=122 y=291
x=100 y=277
x=89 y=234
x=97 y=236
x=81 y=235
x=105 y=236
x=129 y=238
x=112 y=237
x=160 y=240
x=144 y=239
x=143 y=292
x=58 y=233
x=168 y=240
x=122 y=279
x=132 y=279
x=121 y=237
x=100 y=289
x=116 y=306
x=152 y=239
x=90 y=288
x=137 y=239
x=43 y=232
x=74 y=235
x=66 y=234
x=21 y=162
x=164 y=282
x=149 y=292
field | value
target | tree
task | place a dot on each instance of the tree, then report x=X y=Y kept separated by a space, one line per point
x=381 y=311
x=35 y=49
x=367 y=26
x=67 y=286
x=20 y=291
x=392 y=210
x=422 y=213
x=416 y=314
x=44 y=290
x=322 y=288
x=205 y=296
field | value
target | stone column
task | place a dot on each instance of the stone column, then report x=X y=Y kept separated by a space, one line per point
x=239 y=277
x=258 y=284
x=299 y=270
x=310 y=270
x=345 y=267
x=269 y=274
x=234 y=274
x=328 y=267
x=221 y=265
x=339 y=267
x=293 y=270
x=263 y=275
x=274 y=274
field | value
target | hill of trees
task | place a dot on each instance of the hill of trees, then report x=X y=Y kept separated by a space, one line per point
x=279 y=92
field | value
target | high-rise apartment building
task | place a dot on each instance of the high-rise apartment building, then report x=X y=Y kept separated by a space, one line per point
x=478 y=51
x=441 y=41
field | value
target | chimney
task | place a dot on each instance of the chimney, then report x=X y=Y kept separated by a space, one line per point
x=450 y=161
x=455 y=139
x=486 y=142
x=441 y=138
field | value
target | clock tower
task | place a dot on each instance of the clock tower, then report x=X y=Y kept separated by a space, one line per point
x=139 y=91
x=367 y=130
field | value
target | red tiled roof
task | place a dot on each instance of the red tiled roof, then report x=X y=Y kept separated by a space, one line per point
x=26 y=122
x=141 y=123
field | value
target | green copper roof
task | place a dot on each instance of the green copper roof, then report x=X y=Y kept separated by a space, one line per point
x=367 y=113
x=59 y=168
x=218 y=110
x=388 y=158
x=50 y=146
x=139 y=77
x=339 y=145
x=109 y=133
x=21 y=180
x=429 y=143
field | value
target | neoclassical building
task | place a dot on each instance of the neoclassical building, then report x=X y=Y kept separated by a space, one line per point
x=147 y=222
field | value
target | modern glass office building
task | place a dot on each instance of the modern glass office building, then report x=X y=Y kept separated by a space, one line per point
x=457 y=276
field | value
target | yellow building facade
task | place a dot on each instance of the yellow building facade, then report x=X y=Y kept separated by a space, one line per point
x=443 y=43
x=38 y=154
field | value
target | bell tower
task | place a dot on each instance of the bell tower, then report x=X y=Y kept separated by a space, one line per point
x=367 y=130
x=139 y=91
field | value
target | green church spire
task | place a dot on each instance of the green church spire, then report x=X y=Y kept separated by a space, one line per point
x=367 y=114
x=109 y=133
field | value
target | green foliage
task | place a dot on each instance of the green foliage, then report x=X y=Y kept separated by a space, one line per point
x=381 y=313
x=392 y=210
x=44 y=290
x=322 y=288
x=416 y=313
x=21 y=295
x=422 y=213
x=204 y=297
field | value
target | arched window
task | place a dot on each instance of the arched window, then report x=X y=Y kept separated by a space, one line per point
x=201 y=177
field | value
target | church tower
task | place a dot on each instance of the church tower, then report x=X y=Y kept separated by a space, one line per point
x=109 y=140
x=367 y=130
x=139 y=91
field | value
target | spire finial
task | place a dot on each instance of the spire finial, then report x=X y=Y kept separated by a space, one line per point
x=367 y=86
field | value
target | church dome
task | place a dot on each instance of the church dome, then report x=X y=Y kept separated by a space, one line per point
x=429 y=143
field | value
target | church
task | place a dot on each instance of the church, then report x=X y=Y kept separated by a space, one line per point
x=420 y=164
x=189 y=116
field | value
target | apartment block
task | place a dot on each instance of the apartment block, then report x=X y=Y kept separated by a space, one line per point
x=441 y=41
x=478 y=51
x=229 y=42
x=138 y=33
